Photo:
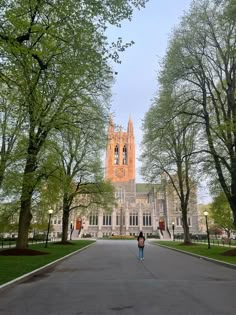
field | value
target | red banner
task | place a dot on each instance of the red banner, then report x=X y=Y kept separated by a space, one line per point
x=78 y=224
x=162 y=224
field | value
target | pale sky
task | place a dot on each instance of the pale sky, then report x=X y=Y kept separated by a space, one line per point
x=136 y=82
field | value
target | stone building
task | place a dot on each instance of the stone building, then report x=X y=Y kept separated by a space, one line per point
x=141 y=207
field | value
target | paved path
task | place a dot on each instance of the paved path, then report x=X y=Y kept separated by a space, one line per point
x=107 y=278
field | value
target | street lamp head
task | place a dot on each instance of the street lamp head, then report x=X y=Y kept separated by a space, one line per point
x=173 y=223
x=50 y=211
x=205 y=213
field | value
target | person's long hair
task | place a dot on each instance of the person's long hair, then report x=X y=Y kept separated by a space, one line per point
x=140 y=234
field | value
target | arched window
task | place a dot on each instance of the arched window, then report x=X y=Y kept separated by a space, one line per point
x=116 y=155
x=124 y=154
x=133 y=219
x=147 y=219
x=106 y=219
x=93 y=218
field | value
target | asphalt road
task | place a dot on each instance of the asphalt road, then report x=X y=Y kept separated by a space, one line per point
x=107 y=278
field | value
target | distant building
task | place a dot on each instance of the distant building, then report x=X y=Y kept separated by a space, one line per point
x=141 y=207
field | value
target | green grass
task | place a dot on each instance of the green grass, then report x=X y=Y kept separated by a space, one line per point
x=215 y=252
x=12 y=267
x=217 y=242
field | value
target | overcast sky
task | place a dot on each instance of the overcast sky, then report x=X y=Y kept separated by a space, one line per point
x=136 y=82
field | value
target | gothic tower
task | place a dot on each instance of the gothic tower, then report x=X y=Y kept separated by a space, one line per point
x=120 y=154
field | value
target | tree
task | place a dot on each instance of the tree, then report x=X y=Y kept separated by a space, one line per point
x=79 y=166
x=201 y=60
x=56 y=55
x=8 y=217
x=221 y=213
x=11 y=126
x=170 y=144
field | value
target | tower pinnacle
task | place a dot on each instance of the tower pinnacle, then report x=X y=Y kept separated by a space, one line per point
x=130 y=128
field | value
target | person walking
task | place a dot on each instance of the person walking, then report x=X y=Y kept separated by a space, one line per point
x=141 y=241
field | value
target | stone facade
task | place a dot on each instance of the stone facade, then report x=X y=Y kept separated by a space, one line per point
x=140 y=206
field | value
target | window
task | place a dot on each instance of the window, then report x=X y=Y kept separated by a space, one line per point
x=116 y=155
x=161 y=205
x=118 y=220
x=124 y=154
x=177 y=207
x=106 y=219
x=133 y=219
x=178 y=221
x=120 y=194
x=147 y=219
x=93 y=219
x=160 y=195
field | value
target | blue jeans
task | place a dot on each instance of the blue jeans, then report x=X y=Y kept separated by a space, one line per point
x=141 y=249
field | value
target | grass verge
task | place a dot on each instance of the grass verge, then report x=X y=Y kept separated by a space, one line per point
x=215 y=252
x=12 y=267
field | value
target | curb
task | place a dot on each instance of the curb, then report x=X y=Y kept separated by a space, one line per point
x=37 y=271
x=218 y=262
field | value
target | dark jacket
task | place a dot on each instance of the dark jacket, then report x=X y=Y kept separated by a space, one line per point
x=139 y=238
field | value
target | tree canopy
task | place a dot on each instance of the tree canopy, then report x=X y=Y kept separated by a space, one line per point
x=199 y=70
x=55 y=56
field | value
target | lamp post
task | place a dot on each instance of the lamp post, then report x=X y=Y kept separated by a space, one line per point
x=71 y=229
x=208 y=237
x=173 y=229
x=50 y=212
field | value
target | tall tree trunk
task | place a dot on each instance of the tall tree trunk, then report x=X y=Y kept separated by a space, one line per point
x=65 y=219
x=24 y=223
x=232 y=202
x=187 y=239
x=28 y=187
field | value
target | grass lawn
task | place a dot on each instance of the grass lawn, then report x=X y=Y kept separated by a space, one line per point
x=215 y=252
x=12 y=267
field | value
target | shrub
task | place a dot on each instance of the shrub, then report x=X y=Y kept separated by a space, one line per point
x=86 y=235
